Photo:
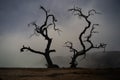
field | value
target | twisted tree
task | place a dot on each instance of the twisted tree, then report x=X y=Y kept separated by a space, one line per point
x=83 y=38
x=43 y=30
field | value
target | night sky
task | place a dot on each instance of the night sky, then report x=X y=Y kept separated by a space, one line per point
x=15 y=15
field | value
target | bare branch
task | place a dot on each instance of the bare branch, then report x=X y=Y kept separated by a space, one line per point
x=89 y=37
x=53 y=22
x=33 y=24
x=44 y=27
x=78 y=11
x=52 y=50
x=41 y=7
x=91 y=32
x=43 y=30
x=31 y=50
x=92 y=12
x=34 y=33
x=70 y=46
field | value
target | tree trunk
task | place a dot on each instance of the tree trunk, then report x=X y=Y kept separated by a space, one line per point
x=73 y=63
x=48 y=59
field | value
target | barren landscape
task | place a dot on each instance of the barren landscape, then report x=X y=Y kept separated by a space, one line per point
x=59 y=74
x=59 y=39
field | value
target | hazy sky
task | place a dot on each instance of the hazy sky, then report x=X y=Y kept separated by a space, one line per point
x=16 y=14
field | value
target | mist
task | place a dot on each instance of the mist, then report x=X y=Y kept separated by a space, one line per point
x=15 y=15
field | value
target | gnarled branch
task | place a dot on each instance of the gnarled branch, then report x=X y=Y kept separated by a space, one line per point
x=43 y=30
x=70 y=46
x=78 y=11
x=31 y=50
x=92 y=12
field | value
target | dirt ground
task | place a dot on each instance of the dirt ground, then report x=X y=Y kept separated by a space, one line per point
x=58 y=74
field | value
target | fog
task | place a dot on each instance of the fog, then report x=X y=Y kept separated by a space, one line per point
x=15 y=15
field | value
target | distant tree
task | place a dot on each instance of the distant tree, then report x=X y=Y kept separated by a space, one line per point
x=84 y=38
x=50 y=20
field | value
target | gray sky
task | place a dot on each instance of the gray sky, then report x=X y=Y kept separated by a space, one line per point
x=16 y=14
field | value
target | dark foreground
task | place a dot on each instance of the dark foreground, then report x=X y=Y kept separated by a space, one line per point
x=59 y=74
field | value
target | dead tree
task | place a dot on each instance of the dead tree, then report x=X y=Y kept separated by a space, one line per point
x=43 y=30
x=82 y=37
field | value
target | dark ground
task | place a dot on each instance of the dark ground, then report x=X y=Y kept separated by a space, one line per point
x=59 y=74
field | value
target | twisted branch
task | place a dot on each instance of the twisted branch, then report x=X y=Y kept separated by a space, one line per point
x=31 y=50
x=70 y=46
x=43 y=30
x=78 y=11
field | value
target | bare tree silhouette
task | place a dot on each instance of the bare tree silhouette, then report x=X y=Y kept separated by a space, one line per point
x=43 y=30
x=82 y=37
